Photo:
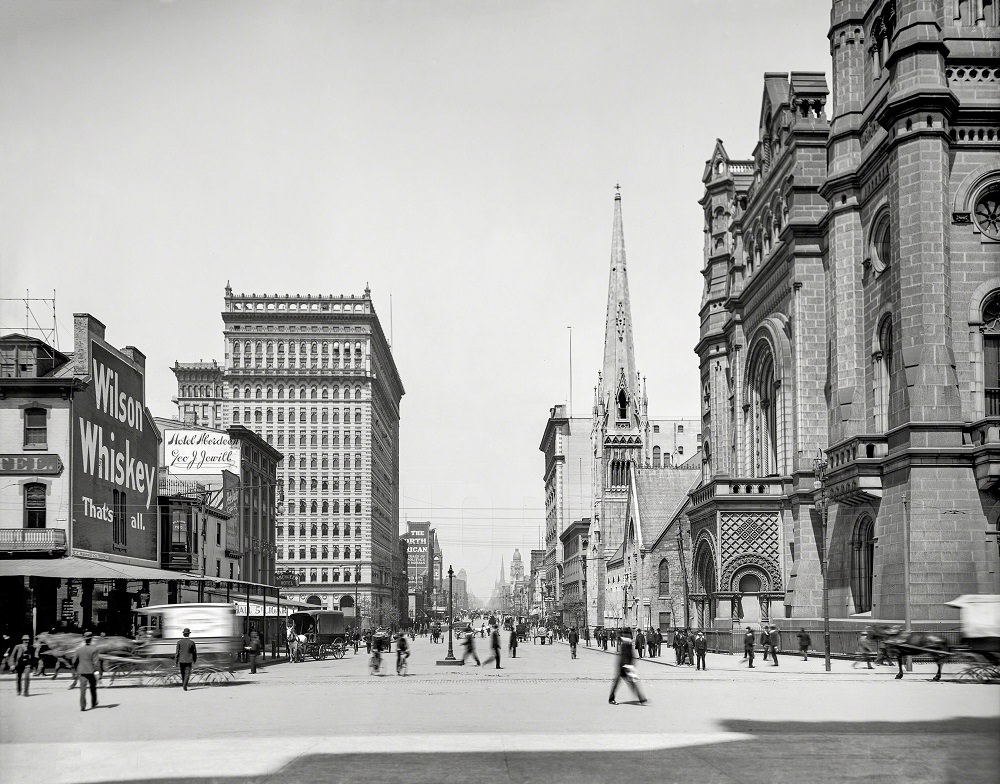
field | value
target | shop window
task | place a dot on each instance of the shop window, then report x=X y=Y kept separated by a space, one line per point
x=34 y=505
x=35 y=428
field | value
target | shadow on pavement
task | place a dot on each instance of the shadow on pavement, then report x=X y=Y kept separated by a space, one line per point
x=954 y=750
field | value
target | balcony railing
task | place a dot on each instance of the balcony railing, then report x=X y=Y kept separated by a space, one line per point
x=739 y=489
x=32 y=540
x=985 y=439
x=855 y=469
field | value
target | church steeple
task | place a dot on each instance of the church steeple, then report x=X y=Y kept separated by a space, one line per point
x=619 y=381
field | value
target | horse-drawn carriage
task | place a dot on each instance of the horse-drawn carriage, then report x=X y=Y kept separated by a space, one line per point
x=979 y=648
x=316 y=633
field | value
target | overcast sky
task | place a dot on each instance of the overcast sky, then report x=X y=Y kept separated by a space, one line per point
x=458 y=157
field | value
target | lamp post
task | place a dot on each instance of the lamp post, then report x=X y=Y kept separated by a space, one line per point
x=819 y=467
x=451 y=620
x=625 y=605
x=584 y=543
x=357 y=608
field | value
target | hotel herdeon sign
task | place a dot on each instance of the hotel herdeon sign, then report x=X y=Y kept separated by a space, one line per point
x=114 y=465
x=199 y=452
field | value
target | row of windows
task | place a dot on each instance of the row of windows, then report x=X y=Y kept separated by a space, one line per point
x=325 y=507
x=315 y=393
x=327 y=461
x=314 y=362
x=315 y=347
x=258 y=416
x=326 y=553
x=325 y=529
x=329 y=575
x=315 y=485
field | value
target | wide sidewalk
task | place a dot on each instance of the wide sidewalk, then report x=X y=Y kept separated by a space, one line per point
x=543 y=716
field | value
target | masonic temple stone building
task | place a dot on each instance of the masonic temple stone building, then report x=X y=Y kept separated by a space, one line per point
x=850 y=331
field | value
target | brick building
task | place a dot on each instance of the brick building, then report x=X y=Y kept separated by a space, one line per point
x=849 y=331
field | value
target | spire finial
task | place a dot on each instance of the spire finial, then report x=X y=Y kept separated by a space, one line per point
x=618 y=192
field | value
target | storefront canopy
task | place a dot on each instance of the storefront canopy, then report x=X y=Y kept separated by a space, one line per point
x=86 y=568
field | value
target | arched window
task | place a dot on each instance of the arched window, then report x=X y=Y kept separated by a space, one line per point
x=312 y=393
x=882 y=360
x=313 y=529
x=657 y=457
x=258 y=393
x=991 y=353
x=862 y=564
x=312 y=508
x=325 y=528
x=236 y=393
x=347 y=527
x=270 y=415
x=761 y=413
x=336 y=551
x=302 y=507
x=357 y=553
x=357 y=393
x=34 y=505
x=664 y=578
x=326 y=509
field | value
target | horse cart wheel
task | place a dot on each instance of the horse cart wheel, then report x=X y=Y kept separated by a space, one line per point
x=318 y=652
x=338 y=649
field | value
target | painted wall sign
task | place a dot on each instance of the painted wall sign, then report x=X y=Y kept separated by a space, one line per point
x=114 y=462
x=30 y=465
x=193 y=452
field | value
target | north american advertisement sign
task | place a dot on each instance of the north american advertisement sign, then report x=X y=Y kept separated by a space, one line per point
x=114 y=462
x=195 y=452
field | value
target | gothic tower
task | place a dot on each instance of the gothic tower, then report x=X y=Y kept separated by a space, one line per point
x=620 y=406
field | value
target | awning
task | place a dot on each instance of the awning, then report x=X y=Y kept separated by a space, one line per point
x=86 y=568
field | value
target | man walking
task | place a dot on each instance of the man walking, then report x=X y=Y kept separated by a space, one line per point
x=640 y=643
x=254 y=651
x=748 y=646
x=86 y=665
x=765 y=641
x=22 y=660
x=495 y=646
x=574 y=640
x=805 y=642
x=626 y=670
x=512 y=643
x=185 y=656
x=774 y=641
x=470 y=648
x=700 y=646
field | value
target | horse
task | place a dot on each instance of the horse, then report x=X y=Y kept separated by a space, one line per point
x=899 y=644
x=63 y=645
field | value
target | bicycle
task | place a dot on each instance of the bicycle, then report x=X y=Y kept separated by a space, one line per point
x=402 y=662
x=375 y=664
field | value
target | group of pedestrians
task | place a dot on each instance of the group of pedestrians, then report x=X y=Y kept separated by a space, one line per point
x=496 y=643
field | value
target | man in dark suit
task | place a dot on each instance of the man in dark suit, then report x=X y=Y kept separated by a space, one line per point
x=626 y=669
x=186 y=656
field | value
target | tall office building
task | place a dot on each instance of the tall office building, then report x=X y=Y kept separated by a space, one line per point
x=315 y=377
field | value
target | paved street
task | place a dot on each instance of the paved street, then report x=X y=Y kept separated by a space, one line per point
x=542 y=717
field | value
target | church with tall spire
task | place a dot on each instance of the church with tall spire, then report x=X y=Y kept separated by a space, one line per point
x=641 y=472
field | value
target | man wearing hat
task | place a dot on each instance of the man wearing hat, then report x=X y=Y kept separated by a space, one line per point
x=22 y=659
x=86 y=665
x=186 y=655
